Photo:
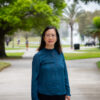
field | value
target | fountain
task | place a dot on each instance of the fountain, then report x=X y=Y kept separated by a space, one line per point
x=64 y=32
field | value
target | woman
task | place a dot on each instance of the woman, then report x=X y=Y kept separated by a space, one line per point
x=49 y=73
x=27 y=44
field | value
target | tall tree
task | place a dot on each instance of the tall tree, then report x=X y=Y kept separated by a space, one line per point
x=85 y=20
x=94 y=28
x=27 y=14
x=71 y=13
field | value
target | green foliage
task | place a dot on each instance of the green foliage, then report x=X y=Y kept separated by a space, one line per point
x=94 y=28
x=96 y=21
x=6 y=2
x=85 y=21
x=27 y=14
x=57 y=6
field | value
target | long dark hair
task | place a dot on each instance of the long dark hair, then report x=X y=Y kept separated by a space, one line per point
x=57 y=45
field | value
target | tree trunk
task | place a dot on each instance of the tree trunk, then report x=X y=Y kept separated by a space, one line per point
x=12 y=41
x=99 y=42
x=2 y=46
x=71 y=26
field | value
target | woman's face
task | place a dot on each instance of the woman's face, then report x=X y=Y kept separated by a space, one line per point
x=50 y=37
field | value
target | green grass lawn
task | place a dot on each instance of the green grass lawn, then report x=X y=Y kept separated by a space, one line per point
x=4 y=65
x=14 y=48
x=98 y=64
x=72 y=56
x=88 y=53
x=15 y=55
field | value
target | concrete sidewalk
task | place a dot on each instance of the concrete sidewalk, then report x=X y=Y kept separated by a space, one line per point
x=84 y=78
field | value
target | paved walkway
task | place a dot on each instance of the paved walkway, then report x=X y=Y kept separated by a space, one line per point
x=84 y=78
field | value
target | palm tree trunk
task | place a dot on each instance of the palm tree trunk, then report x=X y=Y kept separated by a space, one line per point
x=71 y=26
x=2 y=46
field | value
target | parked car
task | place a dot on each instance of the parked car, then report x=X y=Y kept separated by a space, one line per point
x=90 y=43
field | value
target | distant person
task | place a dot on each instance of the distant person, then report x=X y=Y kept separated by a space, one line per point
x=27 y=44
x=49 y=73
x=18 y=42
x=7 y=42
x=93 y=42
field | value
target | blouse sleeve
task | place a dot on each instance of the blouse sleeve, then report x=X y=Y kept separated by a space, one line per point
x=67 y=86
x=35 y=73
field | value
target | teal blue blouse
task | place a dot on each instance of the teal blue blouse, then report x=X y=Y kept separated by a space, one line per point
x=49 y=74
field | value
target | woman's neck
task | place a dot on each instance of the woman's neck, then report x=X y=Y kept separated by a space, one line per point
x=49 y=47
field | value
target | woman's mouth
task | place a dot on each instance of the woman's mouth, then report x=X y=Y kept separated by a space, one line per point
x=50 y=41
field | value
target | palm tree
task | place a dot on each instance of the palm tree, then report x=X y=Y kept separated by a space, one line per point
x=71 y=14
x=94 y=29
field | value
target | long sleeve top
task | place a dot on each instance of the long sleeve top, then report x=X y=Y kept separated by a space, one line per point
x=49 y=74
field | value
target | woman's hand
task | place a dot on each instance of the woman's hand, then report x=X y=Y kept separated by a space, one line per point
x=67 y=97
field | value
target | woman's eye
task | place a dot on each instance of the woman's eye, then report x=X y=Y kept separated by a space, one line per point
x=53 y=35
x=48 y=35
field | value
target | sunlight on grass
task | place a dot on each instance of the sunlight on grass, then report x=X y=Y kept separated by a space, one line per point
x=17 y=54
